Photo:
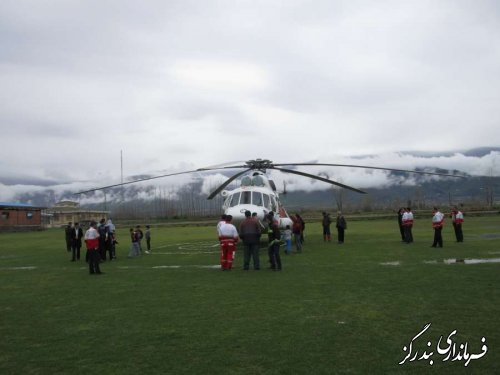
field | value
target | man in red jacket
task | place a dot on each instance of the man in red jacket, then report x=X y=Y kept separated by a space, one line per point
x=92 y=243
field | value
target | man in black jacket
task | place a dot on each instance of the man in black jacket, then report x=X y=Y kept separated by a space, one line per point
x=341 y=227
x=76 y=236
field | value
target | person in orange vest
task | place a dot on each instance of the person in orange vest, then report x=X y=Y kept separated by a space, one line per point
x=437 y=224
x=457 y=218
x=92 y=243
x=228 y=237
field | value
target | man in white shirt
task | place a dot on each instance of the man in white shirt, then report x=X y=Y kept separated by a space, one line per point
x=228 y=237
x=457 y=218
x=407 y=222
x=437 y=224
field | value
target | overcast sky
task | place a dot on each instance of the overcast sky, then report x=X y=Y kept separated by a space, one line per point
x=183 y=84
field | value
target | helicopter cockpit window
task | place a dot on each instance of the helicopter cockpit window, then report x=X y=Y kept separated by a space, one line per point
x=257 y=198
x=246 y=181
x=235 y=199
x=246 y=197
x=258 y=181
x=266 y=200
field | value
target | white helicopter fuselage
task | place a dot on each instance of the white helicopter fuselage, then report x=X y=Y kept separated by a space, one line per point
x=256 y=194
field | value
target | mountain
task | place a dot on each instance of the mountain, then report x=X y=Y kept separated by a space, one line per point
x=393 y=189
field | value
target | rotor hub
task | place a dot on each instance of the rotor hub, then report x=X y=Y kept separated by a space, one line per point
x=261 y=164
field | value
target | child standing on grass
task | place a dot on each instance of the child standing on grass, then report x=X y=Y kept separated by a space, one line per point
x=134 y=248
x=287 y=236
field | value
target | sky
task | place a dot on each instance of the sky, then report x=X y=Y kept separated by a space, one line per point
x=168 y=86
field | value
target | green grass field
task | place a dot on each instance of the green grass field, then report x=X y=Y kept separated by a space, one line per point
x=333 y=309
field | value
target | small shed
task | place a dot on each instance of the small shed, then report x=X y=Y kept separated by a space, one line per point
x=19 y=217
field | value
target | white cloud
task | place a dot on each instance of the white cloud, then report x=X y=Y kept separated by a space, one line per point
x=199 y=83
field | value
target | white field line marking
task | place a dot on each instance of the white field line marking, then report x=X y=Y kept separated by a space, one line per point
x=430 y=261
x=185 y=253
x=472 y=261
x=25 y=268
x=396 y=263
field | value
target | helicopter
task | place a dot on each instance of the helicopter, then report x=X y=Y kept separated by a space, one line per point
x=257 y=193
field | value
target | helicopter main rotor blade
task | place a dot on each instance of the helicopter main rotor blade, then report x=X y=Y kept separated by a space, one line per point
x=134 y=181
x=370 y=167
x=214 y=168
x=321 y=179
x=228 y=181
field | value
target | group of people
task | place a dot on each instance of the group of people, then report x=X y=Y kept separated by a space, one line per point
x=100 y=242
x=106 y=244
x=405 y=221
x=340 y=224
x=250 y=231
x=136 y=237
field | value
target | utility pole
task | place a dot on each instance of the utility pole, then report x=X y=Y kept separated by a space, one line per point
x=121 y=174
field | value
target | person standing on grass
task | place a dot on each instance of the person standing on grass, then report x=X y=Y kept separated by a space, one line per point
x=457 y=218
x=302 y=227
x=437 y=225
x=219 y=224
x=103 y=238
x=76 y=242
x=341 y=227
x=92 y=244
x=134 y=248
x=325 y=223
x=67 y=235
x=400 y=223
x=287 y=237
x=274 y=236
x=110 y=240
x=297 y=232
x=250 y=234
x=228 y=237
x=140 y=236
x=407 y=221
x=148 y=239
